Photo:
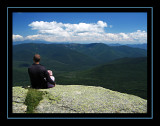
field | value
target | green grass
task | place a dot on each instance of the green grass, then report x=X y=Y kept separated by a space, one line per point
x=32 y=99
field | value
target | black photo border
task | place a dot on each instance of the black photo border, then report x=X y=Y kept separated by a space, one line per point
x=148 y=115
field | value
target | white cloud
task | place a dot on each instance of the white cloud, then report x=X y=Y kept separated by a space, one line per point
x=81 y=32
x=66 y=29
x=17 y=37
x=102 y=24
x=138 y=35
x=34 y=37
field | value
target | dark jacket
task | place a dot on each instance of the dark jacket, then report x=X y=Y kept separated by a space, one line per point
x=39 y=76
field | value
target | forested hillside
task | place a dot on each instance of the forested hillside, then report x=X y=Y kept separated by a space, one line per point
x=119 y=68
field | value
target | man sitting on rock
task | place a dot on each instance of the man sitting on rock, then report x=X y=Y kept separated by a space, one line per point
x=39 y=76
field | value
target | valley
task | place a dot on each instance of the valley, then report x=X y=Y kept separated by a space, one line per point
x=119 y=68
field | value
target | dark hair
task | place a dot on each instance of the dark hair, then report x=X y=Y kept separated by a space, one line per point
x=36 y=58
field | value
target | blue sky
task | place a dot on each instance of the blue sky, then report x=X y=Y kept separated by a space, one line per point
x=78 y=27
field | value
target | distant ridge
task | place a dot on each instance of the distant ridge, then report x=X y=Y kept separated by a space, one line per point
x=44 y=42
x=24 y=42
x=142 y=46
x=74 y=54
x=105 y=53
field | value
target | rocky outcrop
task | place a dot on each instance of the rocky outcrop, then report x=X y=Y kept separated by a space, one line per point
x=18 y=98
x=80 y=99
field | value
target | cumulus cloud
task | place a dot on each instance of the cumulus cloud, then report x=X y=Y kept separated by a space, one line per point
x=34 y=37
x=17 y=37
x=133 y=37
x=81 y=32
x=138 y=35
x=102 y=24
x=66 y=29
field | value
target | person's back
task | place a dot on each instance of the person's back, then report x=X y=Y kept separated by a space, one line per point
x=38 y=74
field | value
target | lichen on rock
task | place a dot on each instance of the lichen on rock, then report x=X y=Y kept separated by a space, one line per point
x=18 y=98
x=83 y=99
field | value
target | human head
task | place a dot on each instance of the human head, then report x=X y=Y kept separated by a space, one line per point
x=50 y=72
x=36 y=58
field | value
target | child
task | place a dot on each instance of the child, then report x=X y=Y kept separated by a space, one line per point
x=51 y=75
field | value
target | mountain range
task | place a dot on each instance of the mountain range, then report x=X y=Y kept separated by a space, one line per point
x=119 y=68
x=141 y=46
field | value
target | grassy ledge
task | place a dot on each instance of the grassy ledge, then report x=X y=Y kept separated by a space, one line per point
x=32 y=99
